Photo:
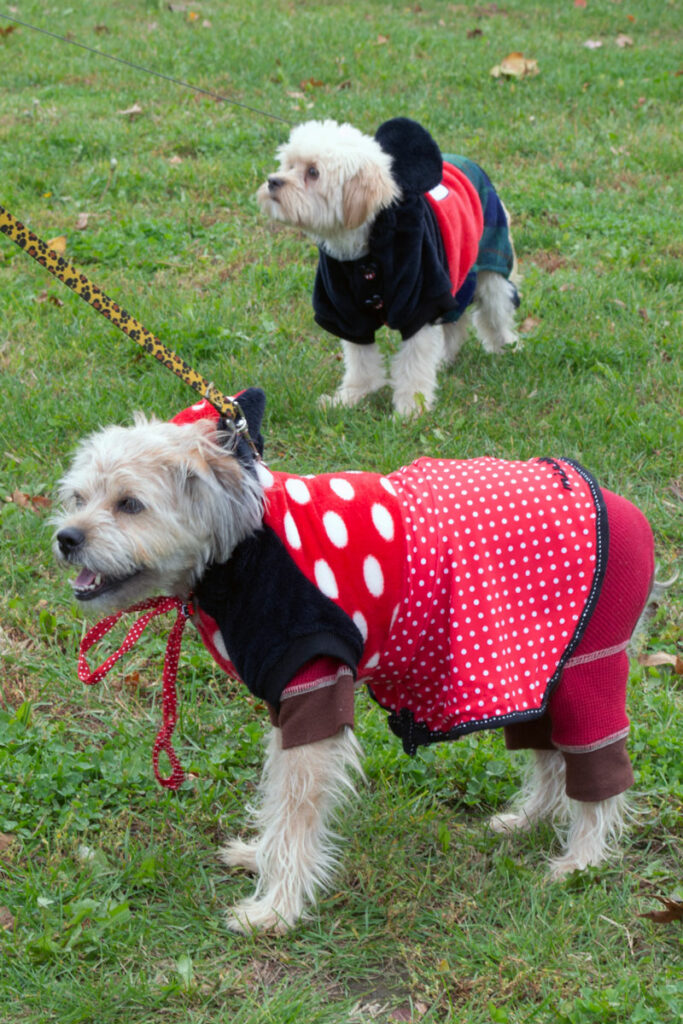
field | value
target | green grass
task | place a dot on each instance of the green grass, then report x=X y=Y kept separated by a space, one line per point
x=111 y=895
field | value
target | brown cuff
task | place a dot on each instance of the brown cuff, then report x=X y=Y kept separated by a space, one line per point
x=316 y=714
x=533 y=735
x=598 y=774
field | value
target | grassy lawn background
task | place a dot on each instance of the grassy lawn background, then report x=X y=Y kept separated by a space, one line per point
x=111 y=897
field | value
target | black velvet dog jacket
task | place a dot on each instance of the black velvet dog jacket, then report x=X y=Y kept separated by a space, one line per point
x=409 y=278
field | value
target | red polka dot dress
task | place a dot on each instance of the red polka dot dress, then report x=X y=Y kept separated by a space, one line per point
x=469 y=581
x=503 y=567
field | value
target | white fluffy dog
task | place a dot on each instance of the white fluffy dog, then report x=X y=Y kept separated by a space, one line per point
x=407 y=237
x=299 y=584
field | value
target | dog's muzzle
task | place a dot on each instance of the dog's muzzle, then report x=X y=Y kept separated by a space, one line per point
x=274 y=184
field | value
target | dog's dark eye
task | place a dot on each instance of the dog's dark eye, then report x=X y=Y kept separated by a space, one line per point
x=130 y=506
x=313 y=172
x=77 y=500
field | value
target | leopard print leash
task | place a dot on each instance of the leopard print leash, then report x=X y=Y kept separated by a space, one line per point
x=95 y=297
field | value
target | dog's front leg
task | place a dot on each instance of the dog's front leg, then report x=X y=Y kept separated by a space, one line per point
x=414 y=369
x=294 y=854
x=364 y=372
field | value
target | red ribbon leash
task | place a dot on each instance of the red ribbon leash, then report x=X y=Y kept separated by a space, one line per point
x=157 y=606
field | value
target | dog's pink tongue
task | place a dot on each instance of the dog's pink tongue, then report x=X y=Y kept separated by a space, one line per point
x=85 y=578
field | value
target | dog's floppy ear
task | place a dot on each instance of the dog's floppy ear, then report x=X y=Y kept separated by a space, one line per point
x=417 y=163
x=222 y=493
x=370 y=190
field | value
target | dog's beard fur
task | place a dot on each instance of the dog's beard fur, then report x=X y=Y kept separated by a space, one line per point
x=332 y=182
x=146 y=508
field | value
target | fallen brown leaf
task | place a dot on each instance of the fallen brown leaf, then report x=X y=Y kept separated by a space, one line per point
x=515 y=65
x=46 y=297
x=82 y=221
x=30 y=501
x=662 y=658
x=311 y=83
x=8 y=30
x=6 y=919
x=593 y=44
x=382 y=40
x=175 y=160
x=673 y=910
x=131 y=111
x=21 y=499
x=528 y=324
x=6 y=840
x=57 y=244
x=623 y=40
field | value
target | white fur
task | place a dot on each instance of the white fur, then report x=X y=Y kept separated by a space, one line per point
x=332 y=182
x=196 y=502
x=294 y=854
x=593 y=828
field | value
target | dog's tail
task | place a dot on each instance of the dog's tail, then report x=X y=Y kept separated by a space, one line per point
x=655 y=598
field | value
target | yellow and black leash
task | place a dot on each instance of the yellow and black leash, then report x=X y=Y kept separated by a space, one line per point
x=95 y=297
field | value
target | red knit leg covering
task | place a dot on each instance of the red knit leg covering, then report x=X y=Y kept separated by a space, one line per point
x=588 y=708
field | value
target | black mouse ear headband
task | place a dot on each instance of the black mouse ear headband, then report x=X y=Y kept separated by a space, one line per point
x=417 y=165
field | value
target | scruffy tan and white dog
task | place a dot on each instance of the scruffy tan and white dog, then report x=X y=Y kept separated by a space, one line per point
x=407 y=237
x=466 y=594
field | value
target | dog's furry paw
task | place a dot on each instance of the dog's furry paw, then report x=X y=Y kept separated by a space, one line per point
x=560 y=867
x=258 y=915
x=238 y=854
x=348 y=397
x=509 y=822
x=411 y=403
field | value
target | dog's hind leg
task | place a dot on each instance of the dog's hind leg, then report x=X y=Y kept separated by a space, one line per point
x=542 y=795
x=494 y=312
x=414 y=369
x=454 y=336
x=301 y=788
x=364 y=372
x=594 y=831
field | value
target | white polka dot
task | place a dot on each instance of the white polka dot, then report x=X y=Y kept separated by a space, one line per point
x=335 y=528
x=382 y=521
x=373 y=576
x=291 y=531
x=373 y=661
x=342 y=488
x=324 y=577
x=298 y=491
x=361 y=624
x=387 y=485
x=266 y=478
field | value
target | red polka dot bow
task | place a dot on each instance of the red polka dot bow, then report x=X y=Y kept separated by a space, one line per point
x=157 y=606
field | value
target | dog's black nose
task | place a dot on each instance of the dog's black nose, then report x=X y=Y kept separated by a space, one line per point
x=69 y=539
x=274 y=183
